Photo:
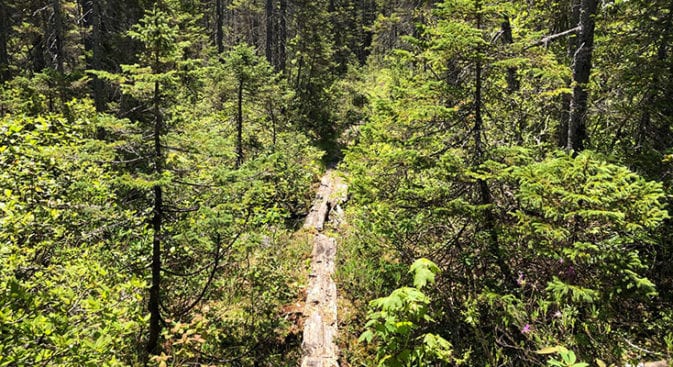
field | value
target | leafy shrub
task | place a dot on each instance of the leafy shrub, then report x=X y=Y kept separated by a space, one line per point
x=396 y=324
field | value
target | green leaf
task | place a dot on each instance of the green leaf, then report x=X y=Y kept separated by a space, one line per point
x=424 y=272
x=547 y=350
x=366 y=337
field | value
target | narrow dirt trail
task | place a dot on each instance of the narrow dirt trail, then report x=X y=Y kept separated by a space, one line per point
x=319 y=347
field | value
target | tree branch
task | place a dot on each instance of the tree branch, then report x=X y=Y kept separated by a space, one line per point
x=545 y=40
x=216 y=263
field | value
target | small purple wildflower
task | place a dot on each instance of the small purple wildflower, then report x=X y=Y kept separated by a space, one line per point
x=570 y=272
x=520 y=280
x=526 y=329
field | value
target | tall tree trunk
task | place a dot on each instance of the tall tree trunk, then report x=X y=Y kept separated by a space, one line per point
x=254 y=30
x=484 y=191
x=570 y=51
x=58 y=34
x=282 y=35
x=269 y=32
x=645 y=133
x=360 y=24
x=368 y=15
x=512 y=77
x=644 y=126
x=219 y=23
x=4 y=37
x=239 y=126
x=581 y=72
x=300 y=67
x=97 y=60
x=157 y=221
x=85 y=15
x=93 y=43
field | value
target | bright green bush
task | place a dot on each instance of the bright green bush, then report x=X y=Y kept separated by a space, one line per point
x=396 y=324
x=63 y=302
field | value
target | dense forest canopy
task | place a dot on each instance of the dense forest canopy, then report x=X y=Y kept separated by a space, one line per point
x=509 y=166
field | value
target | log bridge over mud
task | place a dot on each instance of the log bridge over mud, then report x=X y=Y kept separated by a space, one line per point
x=319 y=348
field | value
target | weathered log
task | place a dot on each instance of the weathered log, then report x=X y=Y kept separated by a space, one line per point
x=321 y=206
x=661 y=363
x=320 y=328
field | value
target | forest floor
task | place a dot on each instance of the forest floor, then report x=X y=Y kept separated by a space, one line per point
x=319 y=348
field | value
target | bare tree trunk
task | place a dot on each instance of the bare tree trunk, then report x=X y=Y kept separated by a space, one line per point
x=4 y=37
x=40 y=50
x=219 y=23
x=255 y=30
x=581 y=73
x=651 y=94
x=58 y=31
x=92 y=17
x=300 y=66
x=60 y=55
x=567 y=98
x=269 y=32
x=282 y=35
x=85 y=15
x=157 y=221
x=644 y=126
x=513 y=84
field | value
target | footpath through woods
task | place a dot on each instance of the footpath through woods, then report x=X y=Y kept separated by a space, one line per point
x=319 y=347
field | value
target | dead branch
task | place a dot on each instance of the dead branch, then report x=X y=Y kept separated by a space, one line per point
x=545 y=40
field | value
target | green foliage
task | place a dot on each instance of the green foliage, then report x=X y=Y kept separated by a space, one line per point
x=424 y=272
x=579 y=233
x=247 y=66
x=585 y=237
x=568 y=358
x=574 y=228
x=73 y=197
x=586 y=213
x=155 y=32
x=397 y=321
x=61 y=303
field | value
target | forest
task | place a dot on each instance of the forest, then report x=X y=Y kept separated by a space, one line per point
x=508 y=165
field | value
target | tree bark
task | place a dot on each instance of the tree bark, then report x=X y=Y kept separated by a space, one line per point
x=362 y=33
x=219 y=23
x=567 y=98
x=269 y=31
x=512 y=77
x=581 y=73
x=4 y=37
x=92 y=17
x=657 y=136
x=254 y=30
x=282 y=35
x=58 y=33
